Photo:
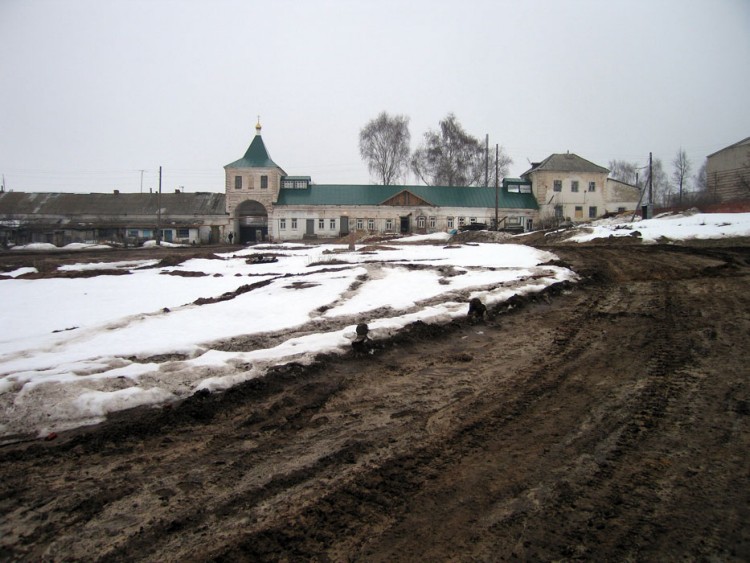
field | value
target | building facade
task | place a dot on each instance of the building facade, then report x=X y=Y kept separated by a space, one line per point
x=728 y=172
x=568 y=187
x=264 y=203
x=127 y=219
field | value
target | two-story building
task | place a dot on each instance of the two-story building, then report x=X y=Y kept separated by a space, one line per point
x=568 y=187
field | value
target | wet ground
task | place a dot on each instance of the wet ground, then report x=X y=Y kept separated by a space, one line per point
x=604 y=421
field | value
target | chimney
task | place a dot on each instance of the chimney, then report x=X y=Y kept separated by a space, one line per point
x=117 y=192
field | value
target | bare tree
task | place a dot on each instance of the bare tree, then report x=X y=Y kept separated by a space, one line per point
x=700 y=180
x=502 y=167
x=624 y=171
x=661 y=187
x=384 y=146
x=681 y=171
x=452 y=157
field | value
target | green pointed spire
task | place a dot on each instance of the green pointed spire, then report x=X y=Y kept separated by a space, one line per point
x=256 y=155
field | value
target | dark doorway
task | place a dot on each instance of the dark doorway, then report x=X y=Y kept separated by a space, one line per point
x=405 y=227
x=253 y=221
x=253 y=234
x=310 y=227
x=344 y=225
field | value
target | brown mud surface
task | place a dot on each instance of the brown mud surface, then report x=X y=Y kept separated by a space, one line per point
x=606 y=421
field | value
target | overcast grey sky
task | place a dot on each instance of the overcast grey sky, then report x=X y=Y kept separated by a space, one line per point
x=93 y=91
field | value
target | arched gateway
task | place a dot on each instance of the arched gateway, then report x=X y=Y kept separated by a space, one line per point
x=252 y=189
x=252 y=221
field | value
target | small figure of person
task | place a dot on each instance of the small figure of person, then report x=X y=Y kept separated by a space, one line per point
x=231 y=236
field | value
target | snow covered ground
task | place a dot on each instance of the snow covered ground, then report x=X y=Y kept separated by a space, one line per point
x=73 y=350
x=669 y=226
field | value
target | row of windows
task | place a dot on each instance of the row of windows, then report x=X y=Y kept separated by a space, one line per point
x=294 y=184
x=557 y=186
x=422 y=222
x=148 y=233
x=238 y=182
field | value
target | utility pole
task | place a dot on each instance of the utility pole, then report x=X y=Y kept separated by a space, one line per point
x=158 y=212
x=497 y=154
x=487 y=160
x=650 y=181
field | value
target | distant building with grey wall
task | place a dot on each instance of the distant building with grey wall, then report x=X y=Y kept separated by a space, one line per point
x=728 y=172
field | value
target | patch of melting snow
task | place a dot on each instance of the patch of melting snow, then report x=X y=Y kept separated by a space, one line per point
x=54 y=381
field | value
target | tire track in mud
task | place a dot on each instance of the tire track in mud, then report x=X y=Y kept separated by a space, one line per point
x=590 y=424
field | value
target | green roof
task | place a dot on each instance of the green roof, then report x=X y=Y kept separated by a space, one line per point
x=436 y=196
x=256 y=156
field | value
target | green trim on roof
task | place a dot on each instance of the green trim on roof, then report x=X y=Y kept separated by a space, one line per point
x=256 y=156
x=438 y=196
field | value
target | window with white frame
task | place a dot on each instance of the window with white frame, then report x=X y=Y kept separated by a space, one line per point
x=450 y=222
x=321 y=224
x=282 y=224
x=332 y=224
x=421 y=221
x=389 y=224
x=360 y=224
x=371 y=224
x=557 y=185
x=574 y=186
x=294 y=223
x=592 y=186
x=433 y=222
x=461 y=221
x=472 y=220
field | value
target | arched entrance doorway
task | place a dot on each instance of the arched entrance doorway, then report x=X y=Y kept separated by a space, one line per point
x=252 y=219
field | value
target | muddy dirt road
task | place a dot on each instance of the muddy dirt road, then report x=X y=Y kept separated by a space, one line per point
x=606 y=421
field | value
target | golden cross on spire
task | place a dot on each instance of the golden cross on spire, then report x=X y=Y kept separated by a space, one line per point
x=257 y=127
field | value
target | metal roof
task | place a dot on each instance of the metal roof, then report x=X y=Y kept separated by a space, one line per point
x=256 y=156
x=111 y=205
x=436 y=196
x=566 y=162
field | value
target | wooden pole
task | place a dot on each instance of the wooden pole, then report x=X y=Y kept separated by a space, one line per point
x=497 y=154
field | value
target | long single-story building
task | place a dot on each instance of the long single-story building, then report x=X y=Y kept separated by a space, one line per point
x=264 y=203
x=128 y=219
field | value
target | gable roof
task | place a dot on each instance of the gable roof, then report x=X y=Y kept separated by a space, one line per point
x=112 y=204
x=256 y=156
x=435 y=196
x=744 y=141
x=565 y=162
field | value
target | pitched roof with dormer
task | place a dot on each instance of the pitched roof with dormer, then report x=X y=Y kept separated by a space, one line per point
x=565 y=162
x=256 y=155
x=432 y=196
